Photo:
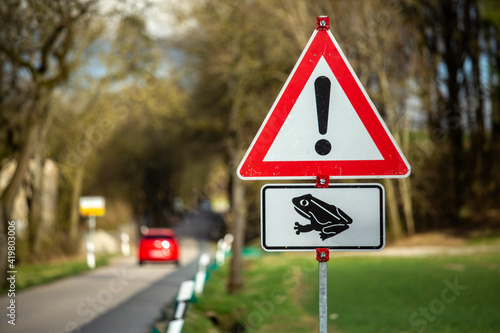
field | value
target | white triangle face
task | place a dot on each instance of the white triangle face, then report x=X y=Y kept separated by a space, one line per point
x=349 y=139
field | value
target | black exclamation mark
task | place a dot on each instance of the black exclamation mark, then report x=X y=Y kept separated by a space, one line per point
x=322 y=87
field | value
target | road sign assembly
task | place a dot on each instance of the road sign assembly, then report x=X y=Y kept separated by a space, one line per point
x=342 y=217
x=91 y=207
x=323 y=123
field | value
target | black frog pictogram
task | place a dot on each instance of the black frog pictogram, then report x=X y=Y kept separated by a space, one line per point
x=328 y=219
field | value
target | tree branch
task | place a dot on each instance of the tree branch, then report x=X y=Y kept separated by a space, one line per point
x=18 y=60
x=47 y=47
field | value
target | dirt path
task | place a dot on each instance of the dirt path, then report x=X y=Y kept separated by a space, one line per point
x=432 y=244
x=418 y=251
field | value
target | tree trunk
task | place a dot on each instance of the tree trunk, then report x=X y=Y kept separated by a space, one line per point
x=406 y=198
x=10 y=191
x=451 y=56
x=405 y=185
x=35 y=209
x=394 y=217
x=405 y=195
x=40 y=232
x=238 y=200
x=239 y=211
x=75 y=200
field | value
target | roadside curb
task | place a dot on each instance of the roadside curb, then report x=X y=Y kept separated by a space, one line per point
x=191 y=290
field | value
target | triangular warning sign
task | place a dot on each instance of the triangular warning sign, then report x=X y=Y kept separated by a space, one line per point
x=323 y=123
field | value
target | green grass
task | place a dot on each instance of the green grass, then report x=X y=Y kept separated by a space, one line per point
x=365 y=294
x=484 y=238
x=29 y=275
x=266 y=305
x=414 y=294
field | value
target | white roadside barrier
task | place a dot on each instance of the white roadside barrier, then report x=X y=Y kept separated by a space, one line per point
x=175 y=326
x=125 y=244
x=189 y=287
x=223 y=248
x=220 y=255
x=201 y=275
x=183 y=297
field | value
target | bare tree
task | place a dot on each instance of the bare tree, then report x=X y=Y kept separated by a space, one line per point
x=35 y=48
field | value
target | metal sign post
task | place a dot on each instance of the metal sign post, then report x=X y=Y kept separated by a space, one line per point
x=322 y=256
x=90 y=243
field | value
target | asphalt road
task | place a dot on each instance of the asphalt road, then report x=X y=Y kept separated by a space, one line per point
x=122 y=297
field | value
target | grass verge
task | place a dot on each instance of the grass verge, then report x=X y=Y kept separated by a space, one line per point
x=365 y=294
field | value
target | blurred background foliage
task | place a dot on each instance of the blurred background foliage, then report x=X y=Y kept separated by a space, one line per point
x=152 y=105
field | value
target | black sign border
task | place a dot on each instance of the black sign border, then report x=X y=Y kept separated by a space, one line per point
x=313 y=248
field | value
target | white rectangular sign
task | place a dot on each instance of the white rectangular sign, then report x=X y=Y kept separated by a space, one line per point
x=92 y=206
x=342 y=217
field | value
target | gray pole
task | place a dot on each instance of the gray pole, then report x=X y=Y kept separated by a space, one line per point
x=90 y=243
x=323 y=306
x=322 y=256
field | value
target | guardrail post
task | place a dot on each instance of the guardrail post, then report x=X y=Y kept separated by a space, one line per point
x=125 y=244
x=183 y=297
x=201 y=275
x=223 y=247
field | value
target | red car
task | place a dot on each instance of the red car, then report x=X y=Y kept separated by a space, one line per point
x=159 y=245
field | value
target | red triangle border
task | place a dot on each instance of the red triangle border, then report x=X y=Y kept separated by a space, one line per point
x=394 y=164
